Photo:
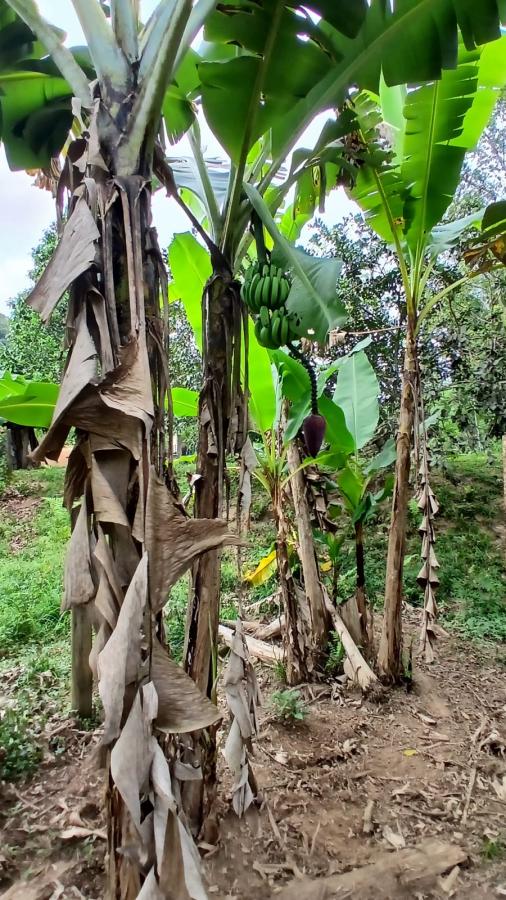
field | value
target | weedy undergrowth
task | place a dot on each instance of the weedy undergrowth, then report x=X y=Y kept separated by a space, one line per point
x=289 y=706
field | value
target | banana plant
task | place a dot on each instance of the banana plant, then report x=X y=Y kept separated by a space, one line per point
x=121 y=561
x=352 y=415
x=24 y=406
x=116 y=381
x=246 y=69
x=405 y=189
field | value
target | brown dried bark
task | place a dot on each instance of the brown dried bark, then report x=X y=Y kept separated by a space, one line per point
x=221 y=429
x=298 y=657
x=390 y=648
x=312 y=584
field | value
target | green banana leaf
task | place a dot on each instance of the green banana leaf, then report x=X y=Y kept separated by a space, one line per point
x=33 y=408
x=185 y=402
x=356 y=393
x=444 y=120
x=11 y=384
x=407 y=192
x=191 y=268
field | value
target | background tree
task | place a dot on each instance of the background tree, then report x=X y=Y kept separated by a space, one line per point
x=29 y=350
x=462 y=355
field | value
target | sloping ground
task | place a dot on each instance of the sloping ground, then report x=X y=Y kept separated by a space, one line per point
x=355 y=783
x=426 y=764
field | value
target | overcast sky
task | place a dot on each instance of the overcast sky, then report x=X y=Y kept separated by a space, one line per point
x=26 y=211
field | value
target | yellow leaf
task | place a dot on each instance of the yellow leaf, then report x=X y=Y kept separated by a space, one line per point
x=410 y=752
x=326 y=566
x=265 y=569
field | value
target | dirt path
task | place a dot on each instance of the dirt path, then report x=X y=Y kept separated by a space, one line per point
x=429 y=763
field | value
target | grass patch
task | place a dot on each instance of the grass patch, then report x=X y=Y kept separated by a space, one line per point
x=43 y=482
x=472 y=590
x=40 y=680
x=32 y=576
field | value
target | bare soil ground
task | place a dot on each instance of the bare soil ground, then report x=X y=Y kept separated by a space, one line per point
x=356 y=780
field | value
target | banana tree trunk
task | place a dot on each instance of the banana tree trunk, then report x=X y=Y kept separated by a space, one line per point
x=297 y=646
x=131 y=541
x=221 y=429
x=21 y=442
x=390 y=648
x=364 y=610
x=312 y=584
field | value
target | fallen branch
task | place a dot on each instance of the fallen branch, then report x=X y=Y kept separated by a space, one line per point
x=250 y=627
x=271 y=630
x=267 y=653
x=393 y=875
x=469 y=794
x=358 y=668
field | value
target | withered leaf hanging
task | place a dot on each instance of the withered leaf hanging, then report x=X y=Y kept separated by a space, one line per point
x=174 y=541
x=181 y=705
x=73 y=256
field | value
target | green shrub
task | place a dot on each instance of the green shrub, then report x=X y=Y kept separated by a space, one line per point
x=335 y=655
x=288 y=706
x=32 y=578
x=20 y=750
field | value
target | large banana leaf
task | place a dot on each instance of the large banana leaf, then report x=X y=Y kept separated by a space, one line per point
x=36 y=117
x=190 y=267
x=33 y=407
x=185 y=402
x=312 y=64
x=356 y=392
x=408 y=40
x=432 y=126
x=444 y=120
x=11 y=384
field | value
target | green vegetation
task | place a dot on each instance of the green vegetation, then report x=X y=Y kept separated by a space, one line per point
x=41 y=691
x=288 y=706
x=32 y=548
x=493 y=849
x=4 y=327
x=472 y=590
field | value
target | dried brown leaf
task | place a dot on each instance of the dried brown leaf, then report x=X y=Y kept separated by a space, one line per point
x=132 y=753
x=73 y=256
x=395 y=838
x=79 y=587
x=110 y=475
x=119 y=661
x=78 y=832
x=174 y=541
x=181 y=705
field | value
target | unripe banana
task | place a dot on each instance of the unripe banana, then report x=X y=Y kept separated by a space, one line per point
x=266 y=291
x=251 y=292
x=274 y=292
x=264 y=336
x=264 y=316
x=258 y=294
x=276 y=331
x=285 y=290
x=258 y=326
x=285 y=330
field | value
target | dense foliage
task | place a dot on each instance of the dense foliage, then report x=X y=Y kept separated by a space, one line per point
x=30 y=348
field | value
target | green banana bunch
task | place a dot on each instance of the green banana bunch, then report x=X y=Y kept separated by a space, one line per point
x=265 y=285
x=273 y=328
